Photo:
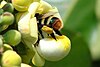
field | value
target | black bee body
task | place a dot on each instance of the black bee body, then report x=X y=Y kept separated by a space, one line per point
x=52 y=23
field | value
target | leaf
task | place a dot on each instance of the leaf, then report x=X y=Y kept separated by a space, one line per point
x=82 y=18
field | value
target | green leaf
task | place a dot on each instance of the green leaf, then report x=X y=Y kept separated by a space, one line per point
x=82 y=18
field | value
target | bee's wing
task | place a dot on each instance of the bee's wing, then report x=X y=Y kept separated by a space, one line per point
x=48 y=14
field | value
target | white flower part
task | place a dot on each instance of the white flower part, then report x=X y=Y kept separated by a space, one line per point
x=23 y=24
x=54 y=50
x=2 y=3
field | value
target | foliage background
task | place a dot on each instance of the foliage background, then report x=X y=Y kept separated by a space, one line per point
x=82 y=26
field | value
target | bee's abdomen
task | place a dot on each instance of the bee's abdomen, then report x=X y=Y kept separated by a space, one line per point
x=57 y=24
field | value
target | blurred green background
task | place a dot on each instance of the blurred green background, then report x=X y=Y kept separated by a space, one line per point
x=82 y=25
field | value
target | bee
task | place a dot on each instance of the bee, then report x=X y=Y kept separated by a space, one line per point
x=49 y=23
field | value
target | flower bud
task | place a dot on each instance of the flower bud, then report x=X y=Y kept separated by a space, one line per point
x=7 y=47
x=54 y=50
x=6 y=18
x=8 y=7
x=12 y=37
x=3 y=27
x=10 y=59
x=21 y=5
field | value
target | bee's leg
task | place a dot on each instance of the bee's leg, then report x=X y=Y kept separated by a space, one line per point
x=40 y=33
x=58 y=32
x=48 y=34
x=39 y=29
x=53 y=36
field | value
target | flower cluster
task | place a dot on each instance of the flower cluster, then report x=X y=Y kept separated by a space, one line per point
x=36 y=35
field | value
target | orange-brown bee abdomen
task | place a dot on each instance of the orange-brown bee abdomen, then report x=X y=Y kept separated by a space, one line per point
x=57 y=24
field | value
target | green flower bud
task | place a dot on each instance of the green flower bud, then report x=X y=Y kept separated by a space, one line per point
x=3 y=27
x=7 y=47
x=54 y=50
x=12 y=37
x=8 y=7
x=21 y=5
x=6 y=18
x=10 y=59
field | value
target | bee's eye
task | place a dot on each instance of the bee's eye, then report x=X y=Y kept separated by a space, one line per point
x=53 y=20
x=55 y=23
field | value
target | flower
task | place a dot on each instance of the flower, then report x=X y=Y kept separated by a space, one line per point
x=54 y=50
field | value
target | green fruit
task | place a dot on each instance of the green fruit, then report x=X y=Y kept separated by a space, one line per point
x=10 y=59
x=21 y=5
x=8 y=8
x=12 y=37
x=6 y=18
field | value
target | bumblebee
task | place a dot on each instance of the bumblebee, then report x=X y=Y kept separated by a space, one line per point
x=50 y=23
